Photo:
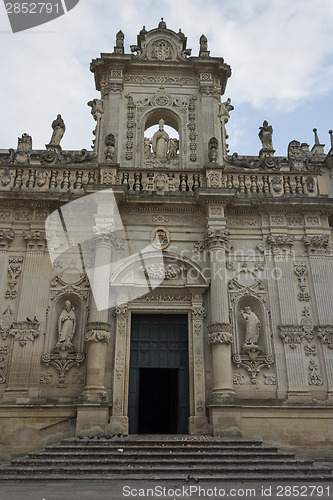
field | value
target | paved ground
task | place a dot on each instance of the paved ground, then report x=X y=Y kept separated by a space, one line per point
x=173 y=490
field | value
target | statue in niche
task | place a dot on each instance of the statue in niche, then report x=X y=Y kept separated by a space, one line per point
x=266 y=136
x=161 y=141
x=66 y=327
x=147 y=146
x=59 y=128
x=173 y=148
x=110 y=143
x=252 y=326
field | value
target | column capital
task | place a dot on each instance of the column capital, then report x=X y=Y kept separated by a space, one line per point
x=215 y=239
x=35 y=240
x=106 y=234
x=6 y=237
x=98 y=332
x=220 y=333
x=317 y=245
x=280 y=243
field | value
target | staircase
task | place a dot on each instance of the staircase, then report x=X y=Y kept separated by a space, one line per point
x=179 y=457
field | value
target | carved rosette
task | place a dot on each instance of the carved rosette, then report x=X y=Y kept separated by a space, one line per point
x=98 y=332
x=325 y=333
x=317 y=245
x=24 y=331
x=217 y=239
x=220 y=333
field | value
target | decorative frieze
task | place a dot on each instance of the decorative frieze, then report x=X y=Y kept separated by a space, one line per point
x=14 y=271
x=314 y=377
x=220 y=333
x=4 y=350
x=325 y=334
x=130 y=126
x=63 y=362
x=6 y=321
x=255 y=365
x=192 y=128
x=24 y=331
x=301 y=271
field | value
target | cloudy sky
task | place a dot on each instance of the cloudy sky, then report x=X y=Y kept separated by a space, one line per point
x=280 y=51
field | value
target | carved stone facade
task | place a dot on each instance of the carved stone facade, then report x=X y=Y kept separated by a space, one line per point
x=239 y=249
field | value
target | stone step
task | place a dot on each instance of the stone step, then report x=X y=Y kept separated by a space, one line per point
x=156 y=455
x=161 y=461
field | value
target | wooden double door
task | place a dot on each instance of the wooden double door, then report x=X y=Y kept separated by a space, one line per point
x=159 y=374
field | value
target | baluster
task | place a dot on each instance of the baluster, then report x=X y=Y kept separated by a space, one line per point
x=137 y=181
x=299 y=185
x=254 y=187
x=18 y=180
x=171 y=181
x=53 y=181
x=78 y=183
x=183 y=182
x=286 y=185
x=230 y=181
x=266 y=183
x=241 y=184
x=292 y=183
x=32 y=179
x=150 y=181
x=248 y=183
x=196 y=181
x=65 y=182
x=125 y=179
x=91 y=178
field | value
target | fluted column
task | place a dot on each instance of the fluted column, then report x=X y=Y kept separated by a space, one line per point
x=220 y=336
x=97 y=338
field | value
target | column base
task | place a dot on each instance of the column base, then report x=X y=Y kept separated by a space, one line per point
x=118 y=425
x=199 y=425
x=298 y=397
x=224 y=421
x=92 y=420
x=93 y=395
x=223 y=397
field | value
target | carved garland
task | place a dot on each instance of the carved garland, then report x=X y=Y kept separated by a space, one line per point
x=130 y=126
x=192 y=127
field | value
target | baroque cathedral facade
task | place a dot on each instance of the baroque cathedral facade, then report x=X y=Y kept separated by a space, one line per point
x=158 y=284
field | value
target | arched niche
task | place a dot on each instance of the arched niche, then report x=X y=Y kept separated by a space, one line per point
x=171 y=119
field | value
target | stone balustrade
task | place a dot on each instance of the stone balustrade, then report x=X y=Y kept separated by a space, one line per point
x=74 y=179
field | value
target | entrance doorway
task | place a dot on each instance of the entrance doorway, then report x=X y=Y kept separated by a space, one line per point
x=159 y=376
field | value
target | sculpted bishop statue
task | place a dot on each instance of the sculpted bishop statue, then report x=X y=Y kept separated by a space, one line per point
x=160 y=142
x=66 y=327
x=252 y=326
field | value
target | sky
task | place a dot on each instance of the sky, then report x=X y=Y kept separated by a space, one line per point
x=280 y=52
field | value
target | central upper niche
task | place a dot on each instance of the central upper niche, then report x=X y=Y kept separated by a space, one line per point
x=161 y=138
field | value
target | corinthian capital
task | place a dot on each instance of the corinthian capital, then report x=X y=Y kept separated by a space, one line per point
x=106 y=234
x=220 y=333
x=98 y=332
x=317 y=245
x=6 y=237
x=218 y=238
